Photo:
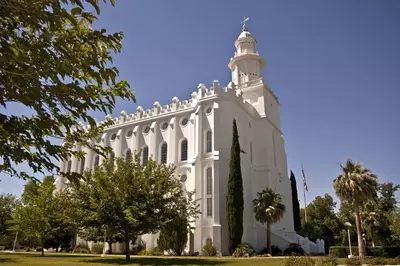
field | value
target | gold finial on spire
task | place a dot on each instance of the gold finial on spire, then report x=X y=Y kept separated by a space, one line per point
x=244 y=23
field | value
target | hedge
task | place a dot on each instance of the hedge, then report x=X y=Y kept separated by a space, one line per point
x=381 y=252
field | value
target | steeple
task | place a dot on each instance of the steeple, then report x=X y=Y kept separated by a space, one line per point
x=246 y=64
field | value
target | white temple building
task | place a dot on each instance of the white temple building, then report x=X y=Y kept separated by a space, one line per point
x=196 y=136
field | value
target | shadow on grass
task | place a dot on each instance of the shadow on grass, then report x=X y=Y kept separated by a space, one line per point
x=4 y=260
x=157 y=261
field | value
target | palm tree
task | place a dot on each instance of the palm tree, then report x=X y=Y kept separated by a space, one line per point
x=355 y=185
x=268 y=209
x=370 y=219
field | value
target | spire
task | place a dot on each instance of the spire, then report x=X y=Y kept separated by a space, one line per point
x=244 y=28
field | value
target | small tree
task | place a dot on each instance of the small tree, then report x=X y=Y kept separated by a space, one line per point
x=130 y=199
x=174 y=235
x=234 y=197
x=356 y=185
x=8 y=204
x=295 y=202
x=268 y=209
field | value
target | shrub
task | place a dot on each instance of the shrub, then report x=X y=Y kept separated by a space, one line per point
x=294 y=249
x=276 y=251
x=327 y=261
x=209 y=249
x=384 y=252
x=97 y=248
x=82 y=248
x=354 y=262
x=244 y=250
x=156 y=251
x=297 y=261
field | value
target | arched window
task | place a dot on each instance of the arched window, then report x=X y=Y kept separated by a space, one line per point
x=96 y=161
x=164 y=152
x=128 y=155
x=145 y=156
x=209 y=141
x=82 y=165
x=184 y=150
x=209 y=191
x=69 y=165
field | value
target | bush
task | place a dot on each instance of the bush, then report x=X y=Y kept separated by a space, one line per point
x=296 y=261
x=209 y=249
x=354 y=262
x=84 y=249
x=244 y=250
x=294 y=249
x=327 y=261
x=276 y=251
x=151 y=252
x=97 y=248
x=383 y=252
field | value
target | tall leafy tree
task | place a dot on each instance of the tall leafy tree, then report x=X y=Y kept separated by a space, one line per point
x=234 y=197
x=140 y=200
x=8 y=204
x=295 y=202
x=355 y=185
x=395 y=225
x=41 y=209
x=57 y=67
x=268 y=209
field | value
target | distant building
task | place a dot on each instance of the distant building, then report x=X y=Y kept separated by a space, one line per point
x=196 y=136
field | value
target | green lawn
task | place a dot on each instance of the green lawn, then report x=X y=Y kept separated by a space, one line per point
x=7 y=259
x=66 y=259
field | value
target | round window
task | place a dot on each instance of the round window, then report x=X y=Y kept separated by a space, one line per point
x=146 y=130
x=164 y=126
x=113 y=136
x=129 y=134
x=184 y=121
x=208 y=110
x=183 y=178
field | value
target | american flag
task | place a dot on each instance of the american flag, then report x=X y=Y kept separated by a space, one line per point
x=304 y=179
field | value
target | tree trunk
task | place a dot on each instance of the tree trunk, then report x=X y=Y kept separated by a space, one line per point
x=127 y=251
x=42 y=251
x=56 y=249
x=110 y=247
x=269 y=248
x=361 y=248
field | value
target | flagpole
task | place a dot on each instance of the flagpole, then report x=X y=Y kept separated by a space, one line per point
x=304 y=192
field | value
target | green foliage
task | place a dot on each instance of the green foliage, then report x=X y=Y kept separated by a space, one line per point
x=295 y=202
x=234 y=197
x=327 y=261
x=209 y=249
x=97 y=248
x=356 y=261
x=132 y=200
x=384 y=252
x=342 y=251
x=151 y=252
x=293 y=249
x=174 y=235
x=244 y=250
x=44 y=215
x=356 y=185
x=58 y=68
x=322 y=222
x=395 y=225
x=8 y=204
x=296 y=261
x=276 y=251
x=83 y=248
x=268 y=209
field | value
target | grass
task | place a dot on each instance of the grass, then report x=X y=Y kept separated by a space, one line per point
x=65 y=259
x=7 y=259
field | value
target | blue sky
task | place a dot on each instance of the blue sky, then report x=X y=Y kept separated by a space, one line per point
x=334 y=65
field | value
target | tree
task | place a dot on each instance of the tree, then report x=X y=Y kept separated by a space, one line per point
x=355 y=185
x=268 y=209
x=371 y=219
x=41 y=209
x=131 y=200
x=60 y=68
x=395 y=225
x=295 y=202
x=174 y=235
x=8 y=204
x=322 y=221
x=234 y=197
